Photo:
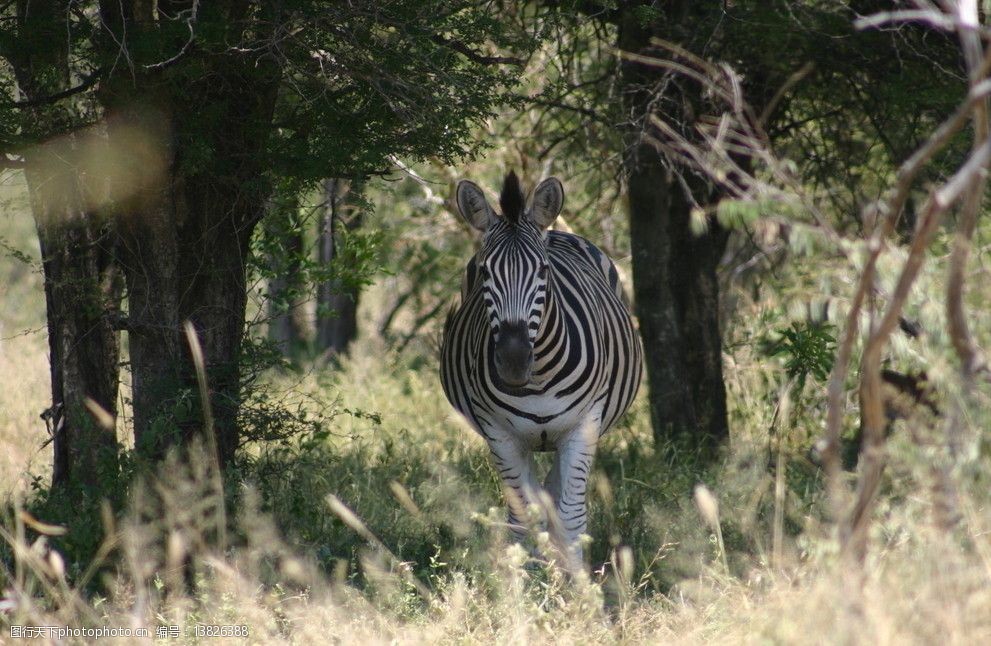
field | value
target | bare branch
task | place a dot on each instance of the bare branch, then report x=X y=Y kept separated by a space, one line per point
x=169 y=62
x=551 y=103
x=474 y=56
x=963 y=340
x=792 y=81
x=925 y=16
x=854 y=534
x=88 y=81
x=890 y=209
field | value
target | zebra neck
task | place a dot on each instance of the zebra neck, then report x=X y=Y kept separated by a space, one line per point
x=551 y=335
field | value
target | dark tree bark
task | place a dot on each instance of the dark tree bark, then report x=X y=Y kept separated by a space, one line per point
x=82 y=289
x=82 y=286
x=185 y=234
x=184 y=259
x=288 y=326
x=337 y=305
x=674 y=270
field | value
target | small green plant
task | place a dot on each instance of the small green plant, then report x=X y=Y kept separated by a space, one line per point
x=808 y=349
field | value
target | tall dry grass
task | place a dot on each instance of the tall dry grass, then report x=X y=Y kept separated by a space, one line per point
x=415 y=550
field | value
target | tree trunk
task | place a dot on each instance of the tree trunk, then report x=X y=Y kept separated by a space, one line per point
x=186 y=250
x=82 y=286
x=288 y=326
x=185 y=232
x=81 y=291
x=674 y=270
x=337 y=305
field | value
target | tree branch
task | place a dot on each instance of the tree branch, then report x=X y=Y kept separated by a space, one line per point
x=189 y=44
x=474 y=56
x=89 y=81
x=962 y=338
x=854 y=531
x=553 y=103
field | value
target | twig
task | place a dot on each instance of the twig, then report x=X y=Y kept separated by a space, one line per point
x=792 y=81
x=854 y=532
x=190 y=21
x=927 y=16
x=88 y=81
x=197 y=352
x=474 y=56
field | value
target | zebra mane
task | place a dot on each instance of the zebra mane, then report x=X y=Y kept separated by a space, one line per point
x=511 y=200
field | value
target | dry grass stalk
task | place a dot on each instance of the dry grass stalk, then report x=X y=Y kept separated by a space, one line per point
x=708 y=508
x=196 y=350
x=351 y=519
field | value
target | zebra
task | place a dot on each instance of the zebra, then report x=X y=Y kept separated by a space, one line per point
x=541 y=354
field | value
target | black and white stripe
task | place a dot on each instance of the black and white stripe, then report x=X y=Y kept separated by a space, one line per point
x=549 y=306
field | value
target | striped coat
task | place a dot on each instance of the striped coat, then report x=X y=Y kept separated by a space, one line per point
x=541 y=354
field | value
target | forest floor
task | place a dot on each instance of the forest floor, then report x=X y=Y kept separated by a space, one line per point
x=380 y=521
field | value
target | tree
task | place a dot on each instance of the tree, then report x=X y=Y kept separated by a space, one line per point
x=674 y=270
x=221 y=99
x=337 y=303
x=288 y=325
x=82 y=284
x=817 y=87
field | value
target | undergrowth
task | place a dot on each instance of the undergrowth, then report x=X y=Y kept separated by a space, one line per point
x=363 y=510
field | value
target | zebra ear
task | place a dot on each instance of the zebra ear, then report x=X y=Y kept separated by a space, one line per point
x=473 y=205
x=547 y=202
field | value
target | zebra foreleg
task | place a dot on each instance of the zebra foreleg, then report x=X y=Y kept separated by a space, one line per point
x=516 y=468
x=567 y=483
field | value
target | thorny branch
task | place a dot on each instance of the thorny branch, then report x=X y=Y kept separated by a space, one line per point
x=717 y=145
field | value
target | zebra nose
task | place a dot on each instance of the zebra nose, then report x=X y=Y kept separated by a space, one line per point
x=514 y=354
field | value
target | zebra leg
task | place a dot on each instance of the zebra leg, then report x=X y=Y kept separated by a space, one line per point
x=567 y=484
x=515 y=465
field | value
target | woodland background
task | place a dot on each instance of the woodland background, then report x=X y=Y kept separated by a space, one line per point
x=228 y=245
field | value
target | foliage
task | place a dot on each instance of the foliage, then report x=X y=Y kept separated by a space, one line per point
x=233 y=100
x=809 y=349
x=360 y=81
x=357 y=259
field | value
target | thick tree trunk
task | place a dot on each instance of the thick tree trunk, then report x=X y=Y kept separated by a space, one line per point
x=186 y=249
x=185 y=235
x=337 y=306
x=674 y=270
x=82 y=287
x=677 y=302
x=81 y=292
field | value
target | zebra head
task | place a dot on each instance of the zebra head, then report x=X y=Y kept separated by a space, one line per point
x=514 y=267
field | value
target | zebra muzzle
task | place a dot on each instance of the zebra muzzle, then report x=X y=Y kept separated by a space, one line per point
x=513 y=354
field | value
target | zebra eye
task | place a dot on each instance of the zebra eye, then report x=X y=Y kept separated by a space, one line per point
x=542 y=272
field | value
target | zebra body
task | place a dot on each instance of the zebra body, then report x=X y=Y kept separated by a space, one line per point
x=541 y=354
